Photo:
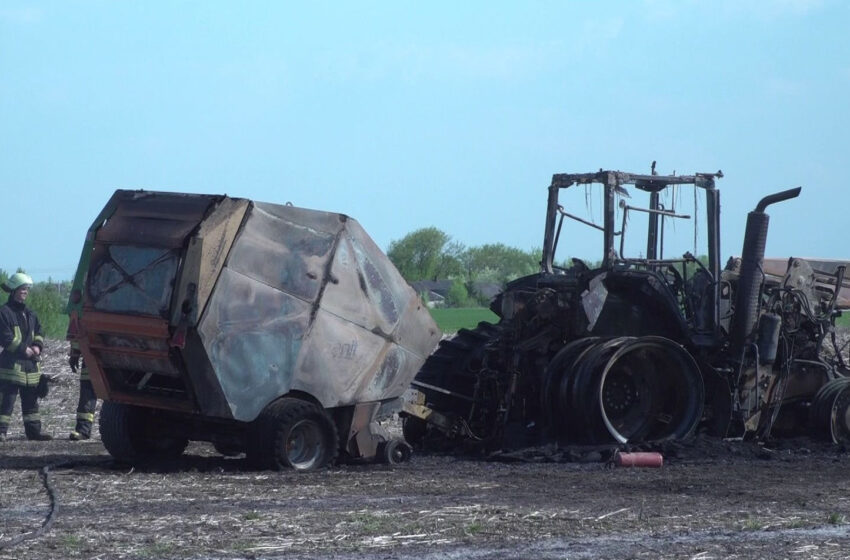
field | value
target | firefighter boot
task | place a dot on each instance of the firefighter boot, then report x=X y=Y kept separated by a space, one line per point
x=33 y=430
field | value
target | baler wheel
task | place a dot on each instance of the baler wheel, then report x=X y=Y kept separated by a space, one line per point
x=291 y=433
x=125 y=434
x=228 y=449
x=395 y=451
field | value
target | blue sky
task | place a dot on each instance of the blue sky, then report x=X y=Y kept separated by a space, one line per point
x=414 y=114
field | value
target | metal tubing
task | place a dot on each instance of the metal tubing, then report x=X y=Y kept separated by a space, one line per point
x=608 y=248
x=777 y=197
x=652 y=234
x=712 y=197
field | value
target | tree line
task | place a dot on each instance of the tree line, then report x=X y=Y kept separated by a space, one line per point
x=431 y=254
x=48 y=299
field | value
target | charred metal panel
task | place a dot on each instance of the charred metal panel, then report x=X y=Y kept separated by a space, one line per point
x=366 y=289
x=286 y=248
x=353 y=272
x=208 y=248
x=127 y=355
x=154 y=219
x=252 y=334
x=637 y=303
x=202 y=377
x=824 y=271
x=342 y=364
x=337 y=358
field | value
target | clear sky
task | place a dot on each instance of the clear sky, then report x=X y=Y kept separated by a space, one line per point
x=413 y=114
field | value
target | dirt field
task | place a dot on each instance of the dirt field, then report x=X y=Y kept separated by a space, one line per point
x=712 y=499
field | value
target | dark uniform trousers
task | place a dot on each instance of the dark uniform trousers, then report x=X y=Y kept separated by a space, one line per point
x=29 y=407
x=85 y=405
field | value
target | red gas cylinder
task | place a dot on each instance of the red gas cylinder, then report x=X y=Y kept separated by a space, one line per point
x=640 y=459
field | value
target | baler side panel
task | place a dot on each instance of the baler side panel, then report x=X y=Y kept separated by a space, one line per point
x=252 y=334
x=205 y=257
x=282 y=251
x=415 y=329
x=341 y=364
x=336 y=358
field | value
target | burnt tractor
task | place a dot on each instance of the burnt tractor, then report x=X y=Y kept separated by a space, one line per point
x=281 y=332
x=642 y=348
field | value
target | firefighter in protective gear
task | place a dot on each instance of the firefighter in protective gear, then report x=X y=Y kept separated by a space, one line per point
x=87 y=401
x=22 y=342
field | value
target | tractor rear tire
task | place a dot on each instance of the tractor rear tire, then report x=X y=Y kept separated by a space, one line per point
x=455 y=366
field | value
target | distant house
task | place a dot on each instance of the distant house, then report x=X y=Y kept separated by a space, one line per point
x=435 y=291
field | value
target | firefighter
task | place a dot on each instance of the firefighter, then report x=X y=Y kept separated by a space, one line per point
x=87 y=401
x=22 y=343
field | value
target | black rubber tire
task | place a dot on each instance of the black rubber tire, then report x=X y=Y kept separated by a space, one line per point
x=823 y=407
x=124 y=433
x=454 y=366
x=395 y=451
x=291 y=433
x=228 y=449
x=558 y=374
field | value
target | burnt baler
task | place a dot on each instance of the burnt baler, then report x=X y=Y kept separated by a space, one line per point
x=279 y=331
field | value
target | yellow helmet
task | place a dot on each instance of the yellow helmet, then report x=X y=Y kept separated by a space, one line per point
x=17 y=280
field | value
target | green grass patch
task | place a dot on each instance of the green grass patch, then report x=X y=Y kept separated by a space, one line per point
x=835 y=519
x=72 y=542
x=451 y=319
x=371 y=524
x=473 y=528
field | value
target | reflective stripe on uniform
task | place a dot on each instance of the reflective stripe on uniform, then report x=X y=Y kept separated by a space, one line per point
x=84 y=375
x=32 y=417
x=14 y=376
x=18 y=377
x=15 y=341
x=87 y=416
x=38 y=338
x=75 y=345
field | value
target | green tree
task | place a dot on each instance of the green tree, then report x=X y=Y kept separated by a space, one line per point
x=47 y=301
x=425 y=254
x=496 y=262
x=458 y=295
